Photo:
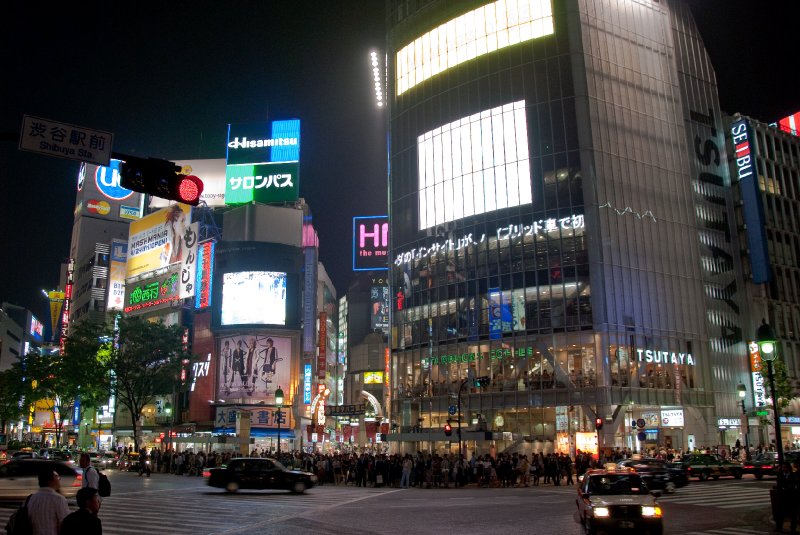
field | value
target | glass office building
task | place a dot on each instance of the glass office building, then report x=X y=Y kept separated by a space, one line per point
x=560 y=212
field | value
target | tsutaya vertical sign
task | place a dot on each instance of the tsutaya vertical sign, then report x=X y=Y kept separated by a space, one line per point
x=370 y=243
x=322 y=358
x=759 y=393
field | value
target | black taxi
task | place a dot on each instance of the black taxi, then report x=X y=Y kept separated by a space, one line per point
x=617 y=500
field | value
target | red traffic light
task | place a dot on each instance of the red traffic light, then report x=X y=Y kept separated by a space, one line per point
x=188 y=189
x=598 y=423
x=448 y=429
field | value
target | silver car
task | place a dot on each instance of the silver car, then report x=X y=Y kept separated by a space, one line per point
x=20 y=477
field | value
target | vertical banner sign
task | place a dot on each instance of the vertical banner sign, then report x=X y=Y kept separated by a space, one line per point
x=67 y=301
x=309 y=298
x=322 y=359
x=307 y=384
x=204 y=271
x=56 y=306
x=759 y=393
x=116 y=275
x=386 y=366
x=189 y=261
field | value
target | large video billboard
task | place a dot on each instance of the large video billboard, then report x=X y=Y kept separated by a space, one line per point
x=253 y=366
x=475 y=165
x=256 y=284
x=156 y=241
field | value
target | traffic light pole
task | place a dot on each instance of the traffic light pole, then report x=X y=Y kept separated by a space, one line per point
x=460 y=388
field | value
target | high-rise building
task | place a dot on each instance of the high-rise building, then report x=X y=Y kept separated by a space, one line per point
x=561 y=215
x=765 y=168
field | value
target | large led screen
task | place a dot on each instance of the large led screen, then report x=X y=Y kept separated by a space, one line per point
x=254 y=366
x=254 y=298
x=475 y=33
x=475 y=165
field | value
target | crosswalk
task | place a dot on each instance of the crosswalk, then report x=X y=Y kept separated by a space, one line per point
x=213 y=511
x=743 y=530
x=731 y=496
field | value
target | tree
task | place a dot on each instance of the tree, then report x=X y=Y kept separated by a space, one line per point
x=10 y=397
x=146 y=364
x=783 y=386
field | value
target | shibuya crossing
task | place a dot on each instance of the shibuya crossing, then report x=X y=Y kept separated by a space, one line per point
x=559 y=202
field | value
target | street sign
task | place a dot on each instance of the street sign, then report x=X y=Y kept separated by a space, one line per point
x=640 y=423
x=641 y=436
x=451 y=410
x=64 y=140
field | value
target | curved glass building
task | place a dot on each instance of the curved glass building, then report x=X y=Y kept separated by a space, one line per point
x=561 y=225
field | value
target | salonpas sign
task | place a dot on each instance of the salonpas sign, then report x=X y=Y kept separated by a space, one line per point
x=664 y=357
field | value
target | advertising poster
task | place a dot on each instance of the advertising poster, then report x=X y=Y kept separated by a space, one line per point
x=379 y=311
x=500 y=318
x=253 y=366
x=189 y=261
x=116 y=275
x=157 y=240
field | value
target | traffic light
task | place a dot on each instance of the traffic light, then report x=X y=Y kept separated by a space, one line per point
x=598 y=423
x=160 y=178
x=448 y=429
x=482 y=382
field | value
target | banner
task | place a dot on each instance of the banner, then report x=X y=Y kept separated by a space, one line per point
x=253 y=366
x=189 y=261
x=156 y=241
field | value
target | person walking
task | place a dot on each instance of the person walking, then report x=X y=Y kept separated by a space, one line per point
x=84 y=521
x=405 y=479
x=47 y=508
x=91 y=477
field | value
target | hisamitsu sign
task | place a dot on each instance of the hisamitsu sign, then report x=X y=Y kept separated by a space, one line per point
x=64 y=140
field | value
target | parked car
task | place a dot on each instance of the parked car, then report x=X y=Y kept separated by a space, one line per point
x=656 y=474
x=258 y=473
x=705 y=465
x=612 y=501
x=19 y=477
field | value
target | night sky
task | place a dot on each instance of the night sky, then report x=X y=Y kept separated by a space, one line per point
x=166 y=78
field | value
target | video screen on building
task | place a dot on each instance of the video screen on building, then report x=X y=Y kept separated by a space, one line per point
x=253 y=298
x=475 y=165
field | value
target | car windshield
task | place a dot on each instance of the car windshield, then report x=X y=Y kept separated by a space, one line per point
x=616 y=484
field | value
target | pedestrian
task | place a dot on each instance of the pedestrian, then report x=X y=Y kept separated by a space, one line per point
x=47 y=508
x=91 y=477
x=84 y=521
x=787 y=488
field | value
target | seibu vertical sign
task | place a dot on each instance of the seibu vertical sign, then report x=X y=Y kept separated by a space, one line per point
x=322 y=357
x=370 y=243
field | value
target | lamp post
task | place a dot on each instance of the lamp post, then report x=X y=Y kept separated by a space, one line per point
x=768 y=347
x=168 y=411
x=279 y=403
x=742 y=394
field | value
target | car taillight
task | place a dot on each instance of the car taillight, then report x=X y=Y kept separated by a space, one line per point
x=767 y=467
x=77 y=481
x=206 y=473
x=748 y=466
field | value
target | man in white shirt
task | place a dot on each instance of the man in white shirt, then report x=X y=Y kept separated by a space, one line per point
x=47 y=508
x=91 y=478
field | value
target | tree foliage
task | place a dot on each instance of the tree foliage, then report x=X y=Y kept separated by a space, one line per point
x=10 y=394
x=146 y=364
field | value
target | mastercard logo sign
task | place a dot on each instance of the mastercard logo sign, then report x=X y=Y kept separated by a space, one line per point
x=93 y=206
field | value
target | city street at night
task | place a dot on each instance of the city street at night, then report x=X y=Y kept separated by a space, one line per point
x=173 y=504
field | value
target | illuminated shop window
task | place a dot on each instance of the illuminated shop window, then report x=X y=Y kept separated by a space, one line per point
x=481 y=31
x=475 y=165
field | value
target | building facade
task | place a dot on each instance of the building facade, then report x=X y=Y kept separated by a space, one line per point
x=560 y=211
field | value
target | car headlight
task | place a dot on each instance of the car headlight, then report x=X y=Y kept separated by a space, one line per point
x=651 y=510
x=314 y=478
x=602 y=512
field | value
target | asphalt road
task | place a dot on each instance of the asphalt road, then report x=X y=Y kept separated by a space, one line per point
x=171 y=504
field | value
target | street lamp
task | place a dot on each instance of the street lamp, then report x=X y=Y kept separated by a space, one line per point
x=768 y=347
x=168 y=411
x=279 y=403
x=742 y=394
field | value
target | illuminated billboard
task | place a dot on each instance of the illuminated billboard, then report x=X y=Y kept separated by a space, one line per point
x=474 y=165
x=373 y=378
x=37 y=329
x=481 y=31
x=100 y=194
x=790 y=123
x=254 y=298
x=116 y=275
x=379 y=308
x=156 y=241
x=152 y=294
x=370 y=243
x=273 y=142
x=253 y=366
x=266 y=183
x=205 y=274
